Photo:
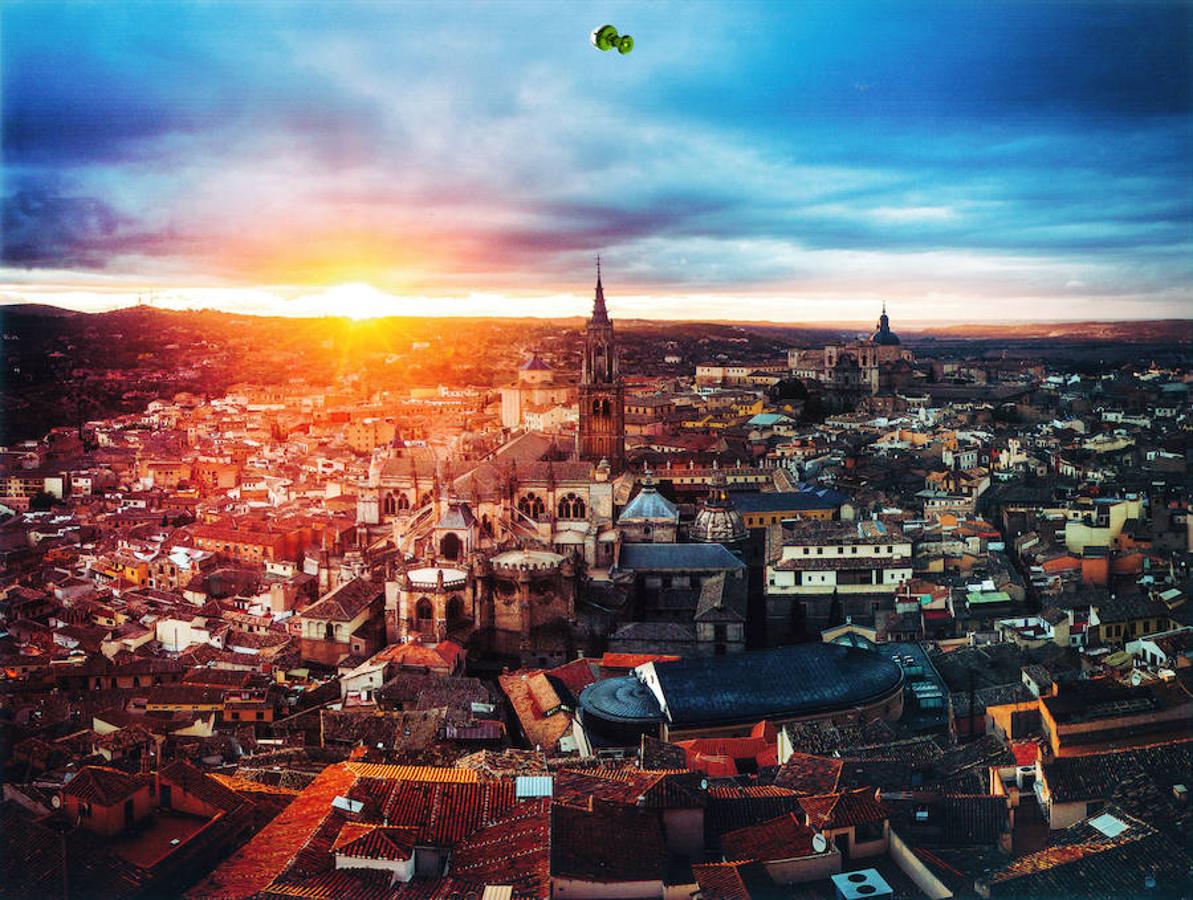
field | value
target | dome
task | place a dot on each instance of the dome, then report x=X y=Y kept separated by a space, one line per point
x=649 y=505
x=718 y=521
x=783 y=683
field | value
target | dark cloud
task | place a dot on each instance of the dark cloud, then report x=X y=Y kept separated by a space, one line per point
x=44 y=229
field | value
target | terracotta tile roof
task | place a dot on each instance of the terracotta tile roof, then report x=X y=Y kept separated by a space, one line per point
x=103 y=786
x=513 y=850
x=247 y=786
x=575 y=675
x=359 y=884
x=843 y=810
x=541 y=731
x=633 y=660
x=199 y=784
x=442 y=814
x=785 y=837
x=732 y=880
x=413 y=773
x=257 y=864
x=809 y=775
x=733 y=808
x=543 y=693
x=416 y=655
x=491 y=765
x=378 y=842
x=607 y=843
x=345 y=602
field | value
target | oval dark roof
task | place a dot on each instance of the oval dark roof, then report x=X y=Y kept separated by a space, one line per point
x=781 y=683
x=623 y=699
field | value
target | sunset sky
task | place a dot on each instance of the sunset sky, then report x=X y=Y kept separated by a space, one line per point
x=788 y=161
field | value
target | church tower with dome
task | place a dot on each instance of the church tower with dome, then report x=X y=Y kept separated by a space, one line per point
x=884 y=337
x=602 y=394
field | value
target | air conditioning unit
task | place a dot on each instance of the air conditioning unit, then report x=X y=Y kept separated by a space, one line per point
x=861 y=885
x=1025 y=777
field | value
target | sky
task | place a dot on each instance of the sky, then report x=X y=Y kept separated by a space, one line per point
x=783 y=161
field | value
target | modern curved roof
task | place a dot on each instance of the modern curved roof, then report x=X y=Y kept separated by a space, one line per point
x=624 y=699
x=780 y=683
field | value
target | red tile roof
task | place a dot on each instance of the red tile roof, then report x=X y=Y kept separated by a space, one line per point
x=359 y=884
x=810 y=775
x=366 y=841
x=513 y=850
x=785 y=837
x=632 y=660
x=442 y=814
x=607 y=843
x=103 y=786
x=843 y=810
x=730 y=880
x=254 y=866
x=199 y=784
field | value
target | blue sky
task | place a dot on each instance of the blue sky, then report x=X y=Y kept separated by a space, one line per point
x=784 y=161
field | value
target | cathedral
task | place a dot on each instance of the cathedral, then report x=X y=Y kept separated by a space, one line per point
x=601 y=435
x=494 y=547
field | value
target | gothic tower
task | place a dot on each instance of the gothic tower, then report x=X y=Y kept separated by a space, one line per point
x=602 y=395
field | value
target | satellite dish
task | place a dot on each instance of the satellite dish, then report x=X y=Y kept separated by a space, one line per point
x=819 y=843
x=1136 y=679
x=704 y=784
x=55 y=801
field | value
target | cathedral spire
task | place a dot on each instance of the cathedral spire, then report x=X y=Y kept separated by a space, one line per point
x=600 y=316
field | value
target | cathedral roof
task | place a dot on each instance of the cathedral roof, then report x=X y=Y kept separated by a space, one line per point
x=535 y=364
x=649 y=505
x=457 y=515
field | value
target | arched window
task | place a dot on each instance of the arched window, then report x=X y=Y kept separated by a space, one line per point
x=455 y=609
x=450 y=546
x=424 y=614
x=596 y=407
x=424 y=499
x=572 y=507
x=532 y=505
x=389 y=506
x=403 y=502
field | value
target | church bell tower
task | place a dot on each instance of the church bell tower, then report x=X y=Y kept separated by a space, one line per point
x=602 y=394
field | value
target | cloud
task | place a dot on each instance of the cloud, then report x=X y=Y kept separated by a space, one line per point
x=433 y=150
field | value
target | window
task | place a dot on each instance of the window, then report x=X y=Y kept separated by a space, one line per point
x=260 y=715
x=572 y=507
x=820 y=551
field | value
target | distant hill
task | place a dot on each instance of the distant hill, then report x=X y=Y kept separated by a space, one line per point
x=37 y=309
x=1143 y=331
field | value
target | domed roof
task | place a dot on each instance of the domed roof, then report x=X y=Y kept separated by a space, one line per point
x=718 y=521
x=649 y=505
x=781 y=683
